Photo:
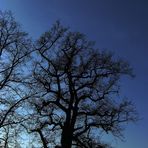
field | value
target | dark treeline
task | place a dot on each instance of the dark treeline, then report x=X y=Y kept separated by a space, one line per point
x=58 y=91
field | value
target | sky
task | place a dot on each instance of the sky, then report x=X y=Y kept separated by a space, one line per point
x=120 y=26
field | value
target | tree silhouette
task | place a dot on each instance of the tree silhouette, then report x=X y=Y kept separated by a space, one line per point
x=78 y=91
x=14 y=49
x=68 y=96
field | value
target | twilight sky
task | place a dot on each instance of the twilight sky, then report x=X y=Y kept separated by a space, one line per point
x=120 y=26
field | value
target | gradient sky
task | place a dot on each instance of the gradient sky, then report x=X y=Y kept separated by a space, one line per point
x=117 y=25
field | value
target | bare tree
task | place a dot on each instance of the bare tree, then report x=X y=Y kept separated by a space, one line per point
x=15 y=47
x=79 y=91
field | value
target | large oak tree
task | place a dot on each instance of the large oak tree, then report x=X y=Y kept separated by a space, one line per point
x=78 y=91
x=68 y=96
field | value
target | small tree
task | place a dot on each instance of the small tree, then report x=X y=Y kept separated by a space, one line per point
x=14 y=49
x=78 y=88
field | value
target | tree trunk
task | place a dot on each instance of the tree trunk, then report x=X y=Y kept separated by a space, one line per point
x=66 y=139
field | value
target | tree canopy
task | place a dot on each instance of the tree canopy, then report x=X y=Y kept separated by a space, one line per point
x=68 y=95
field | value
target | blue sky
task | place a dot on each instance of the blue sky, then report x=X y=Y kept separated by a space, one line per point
x=117 y=25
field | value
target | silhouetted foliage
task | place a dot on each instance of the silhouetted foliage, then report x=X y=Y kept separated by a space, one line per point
x=67 y=97
x=78 y=87
x=14 y=48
